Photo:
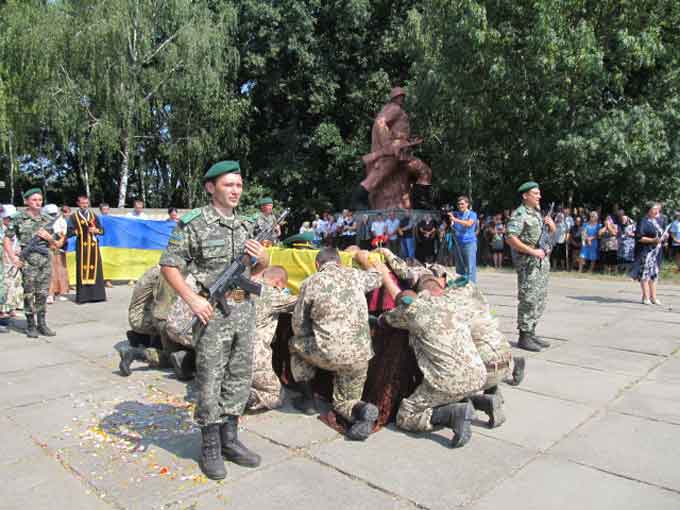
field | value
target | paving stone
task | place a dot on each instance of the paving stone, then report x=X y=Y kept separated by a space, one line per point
x=291 y=428
x=601 y=358
x=296 y=483
x=423 y=468
x=629 y=446
x=669 y=370
x=15 y=443
x=534 y=421
x=548 y=482
x=659 y=400
x=35 y=356
x=573 y=383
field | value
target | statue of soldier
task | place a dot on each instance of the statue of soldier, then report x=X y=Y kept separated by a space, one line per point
x=31 y=228
x=532 y=264
x=204 y=242
x=390 y=167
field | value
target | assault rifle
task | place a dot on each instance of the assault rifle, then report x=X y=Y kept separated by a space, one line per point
x=547 y=240
x=36 y=244
x=389 y=151
x=233 y=278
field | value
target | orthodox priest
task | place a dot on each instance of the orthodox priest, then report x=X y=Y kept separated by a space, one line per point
x=85 y=226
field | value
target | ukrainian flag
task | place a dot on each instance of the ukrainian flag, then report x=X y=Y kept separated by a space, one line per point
x=129 y=247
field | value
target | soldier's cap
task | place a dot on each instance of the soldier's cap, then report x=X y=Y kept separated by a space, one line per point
x=396 y=92
x=527 y=186
x=221 y=168
x=265 y=201
x=300 y=241
x=31 y=191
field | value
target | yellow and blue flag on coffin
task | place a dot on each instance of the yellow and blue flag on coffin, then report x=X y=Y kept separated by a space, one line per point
x=129 y=247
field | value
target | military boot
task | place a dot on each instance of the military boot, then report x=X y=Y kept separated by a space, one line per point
x=359 y=200
x=137 y=339
x=305 y=402
x=183 y=364
x=234 y=450
x=42 y=325
x=517 y=371
x=211 y=461
x=31 y=332
x=492 y=406
x=128 y=356
x=458 y=418
x=422 y=197
x=365 y=416
x=495 y=390
x=526 y=342
x=538 y=340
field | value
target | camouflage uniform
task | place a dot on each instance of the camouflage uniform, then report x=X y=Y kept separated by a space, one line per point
x=37 y=270
x=265 y=391
x=532 y=274
x=224 y=349
x=330 y=326
x=264 y=222
x=141 y=303
x=447 y=356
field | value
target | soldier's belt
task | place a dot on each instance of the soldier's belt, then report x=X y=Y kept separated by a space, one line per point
x=237 y=295
x=497 y=365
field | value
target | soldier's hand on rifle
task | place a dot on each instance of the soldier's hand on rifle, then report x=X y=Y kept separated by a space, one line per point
x=255 y=249
x=538 y=253
x=44 y=235
x=201 y=308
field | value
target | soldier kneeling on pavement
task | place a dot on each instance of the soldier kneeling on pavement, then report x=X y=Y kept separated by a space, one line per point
x=331 y=332
x=453 y=370
x=148 y=313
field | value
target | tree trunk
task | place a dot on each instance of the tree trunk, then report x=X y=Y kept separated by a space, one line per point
x=11 y=167
x=124 y=170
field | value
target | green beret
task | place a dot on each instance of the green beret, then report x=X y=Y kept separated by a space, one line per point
x=221 y=168
x=529 y=185
x=265 y=201
x=304 y=240
x=32 y=191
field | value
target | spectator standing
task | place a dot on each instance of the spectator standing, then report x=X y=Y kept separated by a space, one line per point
x=104 y=209
x=590 y=247
x=648 y=260
x=173 y=214
x=445 y=253
x=465 y=225
x=609 y=245
x=406 y=227
x=626 y=251
x=497 y=241
x=568 y=218
x=378 y=227
x=59 y=281
x=558 y=256
x=14 y=299
x=427 y=230
x=305 y=227
x=392 y=230
x=675 y=240
x=137 y=212
x=575 y=241
x=364 y=233
x=347 y=229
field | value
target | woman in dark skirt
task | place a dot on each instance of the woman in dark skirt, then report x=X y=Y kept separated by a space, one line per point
x=427 y=230
x=648 y=258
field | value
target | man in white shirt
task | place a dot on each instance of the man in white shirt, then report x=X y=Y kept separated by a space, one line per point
x=138 y=212
x=378 y=227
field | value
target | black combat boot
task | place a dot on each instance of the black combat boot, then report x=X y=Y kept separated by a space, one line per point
x=538 y=340
x=422 y=197
x=183 y=364
x=359 y=200
x=128 y=356
x=495 y=390
x=458 y=418
x=365 y=416
x=211 y=461
x=305 y=402
x=492 y=406
x=526 y=342
x=234 y=450
x=42 y=325
x=138 y=339
x=31 y=332
x=517 y=371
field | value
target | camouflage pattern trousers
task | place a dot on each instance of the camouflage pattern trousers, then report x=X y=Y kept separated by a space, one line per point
x=224 y=357
x=266 y=390
x=36 y=275
x=415 y=411
x=348 y=382
x=532 y=291
x=160 y=358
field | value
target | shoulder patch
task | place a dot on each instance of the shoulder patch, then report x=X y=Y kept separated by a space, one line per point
x=190 y=216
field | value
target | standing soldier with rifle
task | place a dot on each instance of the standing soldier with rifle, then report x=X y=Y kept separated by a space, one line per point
x=206 y=240
x=528 y=233
x=31 y=228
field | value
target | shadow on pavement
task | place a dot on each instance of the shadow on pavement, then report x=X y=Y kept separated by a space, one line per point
x=603 y=300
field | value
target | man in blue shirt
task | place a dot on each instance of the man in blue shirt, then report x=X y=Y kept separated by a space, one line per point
x=675 y=239
x=464 y=223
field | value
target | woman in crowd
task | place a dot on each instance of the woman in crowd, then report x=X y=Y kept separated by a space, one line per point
x=427 y=229
x=364 y=233
x=59 y=283
x=558 y=256
x=609 y=245
x=590 y=246
x=497 y=240
x=14 y=298
x=626 y=250
x=445 y=253
x=648 y=259
x=575 y=241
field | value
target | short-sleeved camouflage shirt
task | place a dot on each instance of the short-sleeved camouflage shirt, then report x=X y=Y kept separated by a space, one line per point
x=25 y=226
x=526 y=224
x=208 y=241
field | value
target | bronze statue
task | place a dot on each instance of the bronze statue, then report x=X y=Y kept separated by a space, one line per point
x=394 y=177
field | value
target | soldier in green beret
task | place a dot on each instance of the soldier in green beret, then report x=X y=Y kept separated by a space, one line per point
x=35 y=262
x=203 y=243
x=532 y=265
x=300 y=241
x=265 y=218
